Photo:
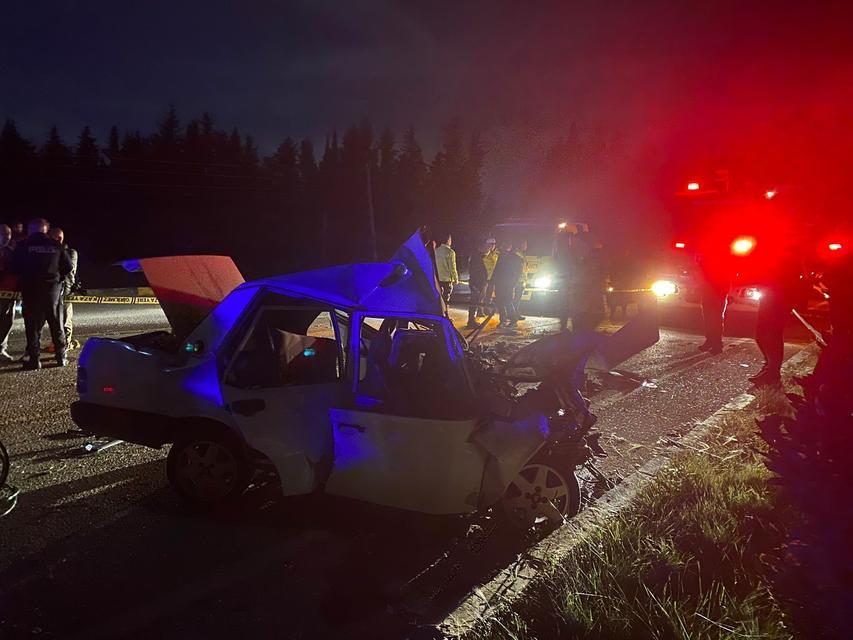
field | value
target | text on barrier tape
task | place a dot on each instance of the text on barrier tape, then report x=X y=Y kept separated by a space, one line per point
x=16 y=295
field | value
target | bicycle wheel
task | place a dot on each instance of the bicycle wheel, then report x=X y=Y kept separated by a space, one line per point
x=4 y=464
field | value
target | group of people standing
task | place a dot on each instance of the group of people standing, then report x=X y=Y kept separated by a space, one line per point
x=44 y=270
x=500 y=276
x=492 y=274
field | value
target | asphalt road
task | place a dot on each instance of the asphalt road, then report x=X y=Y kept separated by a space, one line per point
x=99 y=547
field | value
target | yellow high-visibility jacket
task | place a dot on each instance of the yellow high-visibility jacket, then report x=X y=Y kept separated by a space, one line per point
x=445 y=264
x=490 y=259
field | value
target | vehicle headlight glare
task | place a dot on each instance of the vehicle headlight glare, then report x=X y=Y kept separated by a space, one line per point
x=663 y=288
x=543 y=282
x=753 y=294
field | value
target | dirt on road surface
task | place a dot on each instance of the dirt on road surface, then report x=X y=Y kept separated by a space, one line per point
x=100 y=547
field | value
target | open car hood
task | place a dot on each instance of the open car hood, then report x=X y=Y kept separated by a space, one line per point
x=188 y=287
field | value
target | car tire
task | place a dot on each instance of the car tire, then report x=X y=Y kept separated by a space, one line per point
x=540 y=493
x=208 y=469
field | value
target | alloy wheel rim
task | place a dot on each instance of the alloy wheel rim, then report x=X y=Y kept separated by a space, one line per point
x=207 y=470
x=538 y=493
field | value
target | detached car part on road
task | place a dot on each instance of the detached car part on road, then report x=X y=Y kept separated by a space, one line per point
x=348 y=380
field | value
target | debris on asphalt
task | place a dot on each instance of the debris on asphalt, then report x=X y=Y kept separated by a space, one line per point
x=97 y=447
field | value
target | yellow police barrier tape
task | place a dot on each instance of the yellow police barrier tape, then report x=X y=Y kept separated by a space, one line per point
x=16 y=295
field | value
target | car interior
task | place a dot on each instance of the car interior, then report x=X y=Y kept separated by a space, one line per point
x=281 y=350
x=405 y=368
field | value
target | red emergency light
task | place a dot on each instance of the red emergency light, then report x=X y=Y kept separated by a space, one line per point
x=835 y=246
x=770 y=194
x=680 y=245
x=693 y=186
x=743 y=246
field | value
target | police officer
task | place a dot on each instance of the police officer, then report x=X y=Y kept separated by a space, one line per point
x=41 y=264
x=68 y=284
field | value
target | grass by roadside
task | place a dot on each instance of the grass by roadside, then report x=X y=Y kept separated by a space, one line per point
x=692 y=557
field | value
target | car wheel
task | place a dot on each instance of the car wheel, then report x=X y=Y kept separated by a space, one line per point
x=208 y=470
x=541 y=493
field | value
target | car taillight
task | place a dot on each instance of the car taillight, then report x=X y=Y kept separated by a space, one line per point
x=82 y=380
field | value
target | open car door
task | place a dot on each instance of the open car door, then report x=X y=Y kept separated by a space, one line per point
x=407 y=444
x=410 y=463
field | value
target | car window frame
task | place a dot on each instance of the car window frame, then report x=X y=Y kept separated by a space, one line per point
x=257 y=311
x=446 y=332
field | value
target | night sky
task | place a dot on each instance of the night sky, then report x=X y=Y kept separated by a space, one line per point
x=518 y=71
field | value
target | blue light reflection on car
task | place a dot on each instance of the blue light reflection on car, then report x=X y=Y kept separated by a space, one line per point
x=203 y=382
x=352 y=447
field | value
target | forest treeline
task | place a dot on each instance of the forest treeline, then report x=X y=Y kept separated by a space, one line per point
x=195 y=187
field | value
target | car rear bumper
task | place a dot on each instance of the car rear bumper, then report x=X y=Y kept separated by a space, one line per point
x=139 y=427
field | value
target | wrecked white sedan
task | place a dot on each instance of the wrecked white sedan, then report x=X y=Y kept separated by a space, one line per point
x=348 y=380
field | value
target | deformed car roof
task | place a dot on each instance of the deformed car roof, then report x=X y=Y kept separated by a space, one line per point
x=189 y=287
x=405 y=284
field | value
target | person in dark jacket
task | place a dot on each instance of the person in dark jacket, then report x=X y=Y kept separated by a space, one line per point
x=716 y=270
x=478 y=279
x=587 y=304
x=779 y=281
x=41 y=264
x=18 y=233
x=508 y=272
x=69 y=282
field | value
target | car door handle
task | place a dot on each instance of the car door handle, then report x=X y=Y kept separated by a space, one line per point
x=248 y=406
x=347 y=425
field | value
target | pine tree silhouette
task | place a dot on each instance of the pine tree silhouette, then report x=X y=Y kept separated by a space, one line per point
x=86 y=153
x=114 y=145
x=250 y=154
x=16 y=152
x=166 y=143
x=55 y=153
x=307 y=162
